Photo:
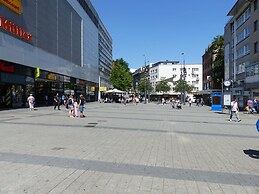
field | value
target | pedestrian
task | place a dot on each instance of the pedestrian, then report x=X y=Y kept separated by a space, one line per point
x=234 y=110
x=70 y=105
x=57 y=102
x=76 y=106
x=197 y=102
x=190 y=102
x=163 y=101
x=202 y=102
x=31 y=101
x=81 y=105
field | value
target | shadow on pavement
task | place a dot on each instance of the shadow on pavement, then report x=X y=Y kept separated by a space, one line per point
x=252 y=153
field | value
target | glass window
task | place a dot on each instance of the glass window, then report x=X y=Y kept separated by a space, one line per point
x=255 y=47
x=255 y=5
x=255 y=26
x=245 y=16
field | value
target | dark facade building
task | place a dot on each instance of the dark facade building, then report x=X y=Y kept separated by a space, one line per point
x=49 y=47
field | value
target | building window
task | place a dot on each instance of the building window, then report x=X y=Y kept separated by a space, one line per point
x=241 y=67
x=255 y=5
x=255 y=26
x=244 y=17
x=174 y=69
x=243 y=35
x=255 y=47
x=245 y=50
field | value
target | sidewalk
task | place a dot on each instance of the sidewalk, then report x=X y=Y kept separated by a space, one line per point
x=147 y=148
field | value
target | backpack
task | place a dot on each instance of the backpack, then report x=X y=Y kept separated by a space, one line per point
x=69 y=101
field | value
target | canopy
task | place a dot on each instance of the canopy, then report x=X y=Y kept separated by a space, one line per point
x=115 y=91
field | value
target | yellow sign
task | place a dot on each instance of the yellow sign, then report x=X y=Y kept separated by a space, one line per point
x=52 y=76
x=37 y=72
x=92 y=89
x=15 y=5
x=103 y=89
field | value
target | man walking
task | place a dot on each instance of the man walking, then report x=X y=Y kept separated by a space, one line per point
x=234 y=110
x=57 y=101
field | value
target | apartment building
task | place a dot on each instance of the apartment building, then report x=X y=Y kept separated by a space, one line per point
x=242 y=51
x=171 y=71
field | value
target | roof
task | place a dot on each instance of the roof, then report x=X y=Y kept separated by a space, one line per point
x=238 y=5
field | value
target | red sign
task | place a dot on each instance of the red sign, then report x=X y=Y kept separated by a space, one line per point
x=14 y=29
x=7 y=68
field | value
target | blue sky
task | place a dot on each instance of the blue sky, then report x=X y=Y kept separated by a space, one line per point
x=162 y=30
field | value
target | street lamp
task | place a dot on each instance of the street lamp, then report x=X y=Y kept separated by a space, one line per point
x=145 y=79
x=183 y=76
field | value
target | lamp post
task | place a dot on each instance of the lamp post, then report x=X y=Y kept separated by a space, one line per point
x=145 y=79
x=183 y=74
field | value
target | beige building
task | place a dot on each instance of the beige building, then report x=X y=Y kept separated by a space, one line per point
x=242 y=50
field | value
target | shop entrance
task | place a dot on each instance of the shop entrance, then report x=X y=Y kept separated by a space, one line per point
x=12 y=96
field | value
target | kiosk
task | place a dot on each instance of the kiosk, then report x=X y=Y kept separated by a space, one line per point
x=216 y=102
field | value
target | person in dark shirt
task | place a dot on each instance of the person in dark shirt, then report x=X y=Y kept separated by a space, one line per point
x=57 y=102
x=81 y=105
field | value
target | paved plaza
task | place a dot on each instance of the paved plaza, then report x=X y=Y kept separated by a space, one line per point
x=148 y=148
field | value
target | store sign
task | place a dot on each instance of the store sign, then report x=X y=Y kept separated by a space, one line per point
x=52 y=76
x=6 y=68
x=14 y=29
x=14 y=5
x=37 y=72
x=103 y=89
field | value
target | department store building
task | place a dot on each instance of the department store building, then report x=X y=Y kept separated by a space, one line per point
x=49 y=47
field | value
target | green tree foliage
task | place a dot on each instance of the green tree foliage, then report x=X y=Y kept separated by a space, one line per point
x=163 y=86
x=145 y=84
x=217 y=72
x=121 y=77
x=182 y=86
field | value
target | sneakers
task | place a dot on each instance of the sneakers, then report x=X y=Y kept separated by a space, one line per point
x=230 y=119
x=239 y=120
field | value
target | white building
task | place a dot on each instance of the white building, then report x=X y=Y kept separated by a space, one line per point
x=171 y=72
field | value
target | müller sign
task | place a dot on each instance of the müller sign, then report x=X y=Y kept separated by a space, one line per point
x=14 y=29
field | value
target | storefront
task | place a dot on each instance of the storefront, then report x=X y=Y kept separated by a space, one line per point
x=48 y=84
x=16 y=83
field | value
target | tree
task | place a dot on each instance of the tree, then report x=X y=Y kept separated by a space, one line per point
x=182 y=86
x=217 y=72
x=163 y=86
x=121 y=77
x=145 y=84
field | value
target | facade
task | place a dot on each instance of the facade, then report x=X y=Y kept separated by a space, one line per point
x=105 y=57
x=48 y=47
x=172 y=70
x=242 y=51
x=207 y=65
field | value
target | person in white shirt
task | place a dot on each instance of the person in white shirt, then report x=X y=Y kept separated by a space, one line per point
x=31 y=101
x=234 y=110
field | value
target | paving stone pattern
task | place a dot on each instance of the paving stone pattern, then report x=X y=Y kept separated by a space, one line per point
x=148 y=148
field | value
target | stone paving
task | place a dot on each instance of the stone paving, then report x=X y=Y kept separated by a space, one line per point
x=148 y=148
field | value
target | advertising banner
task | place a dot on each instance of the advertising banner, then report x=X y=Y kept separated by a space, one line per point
x=14 y=5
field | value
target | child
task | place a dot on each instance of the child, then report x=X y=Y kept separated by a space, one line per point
x=75 y=109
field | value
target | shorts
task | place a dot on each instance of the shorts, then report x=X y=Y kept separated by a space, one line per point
x=70 y=107
x=81 y=108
